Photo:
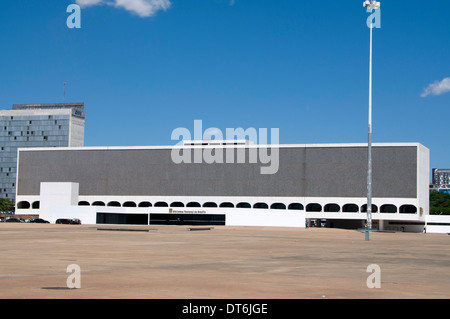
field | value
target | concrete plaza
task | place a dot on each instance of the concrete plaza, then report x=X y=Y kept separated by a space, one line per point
x=173 y=262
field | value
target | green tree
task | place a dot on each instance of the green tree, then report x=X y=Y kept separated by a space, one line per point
x=6 y=205
x=439 y=203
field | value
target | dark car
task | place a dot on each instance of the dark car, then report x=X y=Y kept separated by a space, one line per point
x=14 y=220
x=39 y=220
x=68 y=221
x=62 y=221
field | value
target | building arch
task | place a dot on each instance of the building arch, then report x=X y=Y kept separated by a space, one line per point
x=350 y=208
x=98 y=203
x=388 y=208
x=114 y=203
x=364 y=208
x=177 y=204
x=296 y=206
x=209 y=204
x=243 y=205
x=332 y=208
x=129 y=204
x=313 y=207
x=226 y=204
x=261 y=205
x=408 y=209
x=145 y=204
x=83 y=203
x=23 y=205
x=161 y=204
x=278 y=206
x=35 y=205
x=193 y=204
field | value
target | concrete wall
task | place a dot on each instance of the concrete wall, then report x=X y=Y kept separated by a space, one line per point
x=304 y=171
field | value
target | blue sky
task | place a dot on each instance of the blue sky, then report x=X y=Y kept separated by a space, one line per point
x=300 y=66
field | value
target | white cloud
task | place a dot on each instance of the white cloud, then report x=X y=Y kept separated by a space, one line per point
x=87 y=3
x=143 y=8
x=437 y=88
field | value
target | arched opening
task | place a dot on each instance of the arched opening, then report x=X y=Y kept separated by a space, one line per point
x=23 y=205
x=332 y=208
x=83 y=203
x=161 y=204
x=129 y=204
x=226 y=204
x=408 y=209
x=193 y=204
x=261 y=205
x=388 y=208
x=98 y=203
x=296 y=206
x=278 y=206
x=145 y=204
x=364 y=208
x=350 y=208
x=177 y=204
x=210 y=204
x=243 y=205
x=35 y=205
x=114 y=203
x=313 y=207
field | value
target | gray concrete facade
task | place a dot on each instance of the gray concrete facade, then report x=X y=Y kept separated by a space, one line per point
x=304 y=171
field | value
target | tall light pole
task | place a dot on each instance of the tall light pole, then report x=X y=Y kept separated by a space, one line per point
x=370 y=5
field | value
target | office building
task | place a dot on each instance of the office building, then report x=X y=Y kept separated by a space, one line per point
x=36 y=125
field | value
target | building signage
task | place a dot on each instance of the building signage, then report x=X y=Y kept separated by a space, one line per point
x=174 y=211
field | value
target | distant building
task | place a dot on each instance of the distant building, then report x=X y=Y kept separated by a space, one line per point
x=36 y=125
x=441 y=178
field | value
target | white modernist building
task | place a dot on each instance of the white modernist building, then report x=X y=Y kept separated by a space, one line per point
x=242 y=184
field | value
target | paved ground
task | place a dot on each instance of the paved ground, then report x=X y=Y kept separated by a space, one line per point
x=224 y=262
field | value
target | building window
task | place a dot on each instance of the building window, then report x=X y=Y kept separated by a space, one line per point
x=296 y=206
x=278 y=206
x=161 y=204
x=364 y=208
x=23 y=205
x=408 y=209
x=350 y=208
x=145 y=204
x=314 y=207
x=98 y=203
x=45 y=138
x=193 y=204
x=261 y=205
x=129 y=204
x=177 y=204
x=388 y=208
x=114 y=203
x=332 y=208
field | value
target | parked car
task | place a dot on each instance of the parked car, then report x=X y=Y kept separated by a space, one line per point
x=14 y=220
x=76 y=221
x=39 y=220
x=62 y=221
x=68 y=221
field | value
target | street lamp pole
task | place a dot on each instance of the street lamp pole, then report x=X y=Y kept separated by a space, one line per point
x=372 y=5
